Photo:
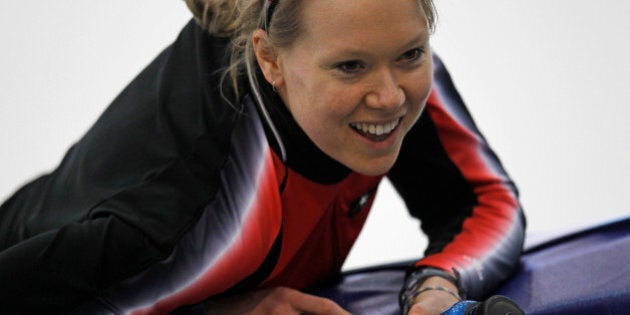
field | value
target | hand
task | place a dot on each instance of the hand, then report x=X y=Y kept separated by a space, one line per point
x=279 y=300
x=433 y=302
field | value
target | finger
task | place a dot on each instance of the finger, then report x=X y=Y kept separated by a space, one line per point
x=432 y=302
x=418 y=309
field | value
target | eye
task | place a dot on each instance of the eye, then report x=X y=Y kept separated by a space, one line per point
x=350 y=67
x=412 y=55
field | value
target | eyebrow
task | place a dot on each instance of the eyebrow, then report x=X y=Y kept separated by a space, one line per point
x=422 y=36
x=352 y=53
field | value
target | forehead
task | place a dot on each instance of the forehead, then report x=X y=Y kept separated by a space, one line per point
x=335 y=22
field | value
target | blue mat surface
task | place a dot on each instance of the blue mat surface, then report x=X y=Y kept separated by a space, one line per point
x=587 y=272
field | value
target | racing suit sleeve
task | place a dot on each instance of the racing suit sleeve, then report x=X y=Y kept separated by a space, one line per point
x=452 y=181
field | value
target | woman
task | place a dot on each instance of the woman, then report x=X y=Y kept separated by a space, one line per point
x=231 y=182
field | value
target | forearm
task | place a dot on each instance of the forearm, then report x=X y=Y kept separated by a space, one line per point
x=483 y=254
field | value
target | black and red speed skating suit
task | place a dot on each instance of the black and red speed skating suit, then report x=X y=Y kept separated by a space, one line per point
x=175 y=195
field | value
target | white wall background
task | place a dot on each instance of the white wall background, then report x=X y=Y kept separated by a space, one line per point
x=547 y=82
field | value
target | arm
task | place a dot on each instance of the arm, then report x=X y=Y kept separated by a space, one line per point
x=135 y=210
x=465 y=200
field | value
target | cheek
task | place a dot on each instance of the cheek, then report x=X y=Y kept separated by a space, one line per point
x=337 y=104
x=319 y=102
x=423 y=80
x=323 y=115
x=306 y=104
x=419 y=87
x=325 y=118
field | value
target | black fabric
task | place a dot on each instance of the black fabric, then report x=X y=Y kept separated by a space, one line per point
x=123 y=194
x=443 y=199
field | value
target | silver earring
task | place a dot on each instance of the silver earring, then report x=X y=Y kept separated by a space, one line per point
x=273 y=86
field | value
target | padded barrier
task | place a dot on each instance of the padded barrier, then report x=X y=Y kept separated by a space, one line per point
x=587 y=272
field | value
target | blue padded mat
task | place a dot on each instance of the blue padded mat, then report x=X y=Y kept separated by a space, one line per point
x=587 y=272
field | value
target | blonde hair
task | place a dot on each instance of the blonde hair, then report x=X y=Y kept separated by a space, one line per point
x=237 y=19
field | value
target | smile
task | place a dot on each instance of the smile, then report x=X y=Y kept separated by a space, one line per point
x=368 y=129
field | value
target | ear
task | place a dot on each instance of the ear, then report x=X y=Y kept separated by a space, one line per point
x=267 y=58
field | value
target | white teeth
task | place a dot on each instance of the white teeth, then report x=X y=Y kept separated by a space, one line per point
x=377 y=130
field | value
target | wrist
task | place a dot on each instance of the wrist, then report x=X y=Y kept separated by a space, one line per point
x=445 y=293
x=432 y=300
x=440 y=284
x=437 y=281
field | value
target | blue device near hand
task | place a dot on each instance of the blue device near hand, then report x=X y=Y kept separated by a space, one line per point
x=494 y=305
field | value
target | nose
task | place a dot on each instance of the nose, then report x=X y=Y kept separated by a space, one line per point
x=386 y=92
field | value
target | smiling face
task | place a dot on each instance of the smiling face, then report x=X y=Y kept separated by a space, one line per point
x=357 y=78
